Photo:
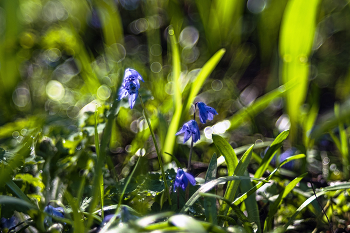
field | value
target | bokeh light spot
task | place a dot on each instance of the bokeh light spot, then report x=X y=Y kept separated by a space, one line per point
x=156 y=67
x=21 y=97
x=256 y=6
x=103 y=92
x=156 y=50
x=188 y=37
x=216 y=85
x=55 y=90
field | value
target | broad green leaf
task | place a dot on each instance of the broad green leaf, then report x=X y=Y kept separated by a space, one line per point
x=29 y=178
x=257 y=106
x=276 y=144
x=296 y=40
x=256 y=187
x=250 y=202
x=16 y=203
x=145 y=221
x=274 y=206
x=227 y=151
x=233 y=186
x=185 y=222
x=18 y=191
x=175 y=121
x=210 y=203
x=208 y=186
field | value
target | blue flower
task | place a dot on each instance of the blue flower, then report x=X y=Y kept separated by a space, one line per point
x=182 y=178
x=130 y=86
x=8 y=223
x=206 y=112
x=58 y=212
x=190 y=128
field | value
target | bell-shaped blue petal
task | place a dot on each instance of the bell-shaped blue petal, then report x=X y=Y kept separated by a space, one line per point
x=190 y=128
x=182 y=179
x=206 y=112
x=130 y=86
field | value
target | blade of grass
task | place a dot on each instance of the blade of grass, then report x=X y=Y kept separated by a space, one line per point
x=236 y=210
x=97 y=146
x=296 y=39
x=210 y=203
x=233 y=186
x=208 y=186
x=276 y=144
x=274 y=206
x=77 y=224
x=105 y=228
x=257 y=106
x=256 y=187
x=344 y=147
x=175 y=121
x=250 y=203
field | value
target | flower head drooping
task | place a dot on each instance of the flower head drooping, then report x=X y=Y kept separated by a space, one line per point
x=130 y=86
x=190 y=128
x=206 y=112
x=57 y=212
x=182 y=178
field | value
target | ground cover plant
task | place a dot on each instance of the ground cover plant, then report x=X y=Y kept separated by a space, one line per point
x=174 y=116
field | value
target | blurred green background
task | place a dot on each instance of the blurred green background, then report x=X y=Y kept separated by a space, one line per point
x=60 y=59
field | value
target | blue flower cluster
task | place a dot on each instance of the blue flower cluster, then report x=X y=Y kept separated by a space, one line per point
x=130 y=86
x=182 y=179
x=190 y=128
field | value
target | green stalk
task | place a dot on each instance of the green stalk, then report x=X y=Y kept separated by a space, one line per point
x=157 y=150
x=97 y=146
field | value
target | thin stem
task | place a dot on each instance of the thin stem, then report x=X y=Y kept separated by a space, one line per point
x=191 y=149
x=329 y=222
x=157 y=150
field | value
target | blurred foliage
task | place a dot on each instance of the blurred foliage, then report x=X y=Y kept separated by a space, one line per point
x=266 y=66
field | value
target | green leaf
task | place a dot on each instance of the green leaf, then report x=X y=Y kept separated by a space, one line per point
x=235 y=209
x=202 y=76
x=16 y=204
x=145 y=221
x=208 y=186
x=296 y=40
x=77 y=224
x=250 y=203
x=256 y=187
x=227 y=151
x=175 y=121
x=257 y=106
x=18 y=191
x=233 y=186
x=276 y=144
x=187 y=223
x=210 y=203
x=274 y=206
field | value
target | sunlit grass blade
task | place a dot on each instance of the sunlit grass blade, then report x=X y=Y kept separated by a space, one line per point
x=77 y=224
x=276 y=144
x=210 y=203
x=233 y=186
x=275 y=205
x=257 y=106
x=111 y=22
x=208 y=67
x=19 y=193
x=257 y=186
x=175 y=121
x=187 y=223
x=208 y=186
x=227 y=151
x=145 y=221
x=236 y=210
x=296 y=40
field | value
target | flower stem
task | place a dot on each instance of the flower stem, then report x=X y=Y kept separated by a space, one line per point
x=157 y=150
x=190 y=155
